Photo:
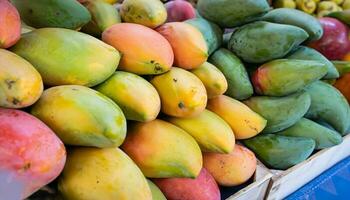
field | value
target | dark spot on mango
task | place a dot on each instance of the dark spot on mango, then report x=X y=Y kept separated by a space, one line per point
x=9 y=83
x=152 y=61
x=30 y=11
x=97 y=181
x=181 y=105
x=26 y=167
x=158 y=68
x=175 y=80
x=57 y=13
x=15 y=101
x=74 y=89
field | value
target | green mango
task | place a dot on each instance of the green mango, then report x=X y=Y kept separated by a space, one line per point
x=324 y=137
x=329 y=105
x=228 y=13
x=239 y=85
x=280 y=152
x=210 y=31
x=343 y=16
x=280 y=112
x=296 y=18
x=156 y=193
x=67 y=57
x=52 y=13
x=343 y=67
x=285 y=76
x=306 y=53
x=261 y=41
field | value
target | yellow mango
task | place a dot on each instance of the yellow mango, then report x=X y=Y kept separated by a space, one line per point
x=182 y=94
x=244 y=122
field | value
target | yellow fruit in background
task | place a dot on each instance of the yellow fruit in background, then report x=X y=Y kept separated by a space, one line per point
x=346 y=5
x=326 y=7
x=284 y=4
x=110 y=1
x=338 y=2
x=316 y=1
x=308 y=6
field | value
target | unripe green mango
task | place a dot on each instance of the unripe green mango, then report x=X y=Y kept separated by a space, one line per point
x=280 y=112
x=156 y=192
x=261 y=41
x=329 y=105
x=66 y=57
x=239 y=85
x=81 y=116
x=285 y=76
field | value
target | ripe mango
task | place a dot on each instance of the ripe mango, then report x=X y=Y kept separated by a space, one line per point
x=93 y=173
x=285 y=76
x=150 y=13
x=261 y=41
x=182 y=94
x=162 y=150
x=125 y=89
x=81 y=116
x=213 y=79
x=156 y=193
x=280 y=112
x=243 y=121
x=144 y=50
x=70 y=57
x=210 y=131
x=20 y=83
x=188 y=43
x=10 y=24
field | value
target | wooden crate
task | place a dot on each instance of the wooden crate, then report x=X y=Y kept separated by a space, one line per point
x=286 y=182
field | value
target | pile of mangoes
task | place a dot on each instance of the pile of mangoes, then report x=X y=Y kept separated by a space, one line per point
x=145 y=100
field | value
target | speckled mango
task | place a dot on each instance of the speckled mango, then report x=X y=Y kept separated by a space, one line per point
x=213 y=79
x=210 y=131
x=81 y=116
x=182 y=94
x=163 y=150
x=244 y=122
x=20 y=83
x=144 y=50
x=67 y=57
x=93 y=173
x=126 y=89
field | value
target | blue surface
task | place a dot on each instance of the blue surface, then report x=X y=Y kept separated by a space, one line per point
x=333 y=184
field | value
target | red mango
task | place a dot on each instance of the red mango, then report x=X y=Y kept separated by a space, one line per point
x=10 y=24
x=179 y=10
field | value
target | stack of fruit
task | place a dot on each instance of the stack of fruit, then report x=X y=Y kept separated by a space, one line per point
x=151 y=91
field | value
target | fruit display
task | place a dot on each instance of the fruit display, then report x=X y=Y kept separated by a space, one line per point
x=156 y=100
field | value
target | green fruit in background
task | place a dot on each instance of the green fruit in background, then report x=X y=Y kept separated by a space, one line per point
x=280 y=152
x=261 y=41
x=343 y=67
x=67 y=57
x=285 y=76
x=324 y=137
x=156 y=193
x=306 y=53
x=296 y=18
x=280 y=112
x=228 y=13
x=343 y=16
x=52 y=13
x=239 y=85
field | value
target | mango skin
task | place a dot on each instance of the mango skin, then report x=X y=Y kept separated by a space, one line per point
x=182 y=94
x=125 y=89
x=150 y=13
x=71 y=58
x=10 y=24
x=343 y=67
x=213 y=79
x=105 y=173
x=259 y=42
x=162 y=150
x=210 y=131
x=20 y=83
x=156 y=193
x=280 y=112
x=144 y=50
x=244 y=122
x=81 y=116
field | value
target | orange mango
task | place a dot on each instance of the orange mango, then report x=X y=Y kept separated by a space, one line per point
x=343 y=85
x=10 y=24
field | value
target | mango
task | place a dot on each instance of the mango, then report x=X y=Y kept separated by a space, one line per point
x=144 y=50
x=243 y=121
x=10 y=24
x=280 y=112
x=68 y=14
x=31 y=155
x=308 y=6
x=156 y=193
x=284 y=4
x=231 y=169
x=227 y=13
x=20 y=83
x=188 y=43
x=93 y=173
x=213 y=79
x=71 y=58
x=81 y=116
x=342 y=85
x=285 y=76
x=261 y=41
x=182 y=94
x=329 y=105
x=150 y=13
x=179 y=10
x=306 y=53
x=239 y=85
x=343 y=67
